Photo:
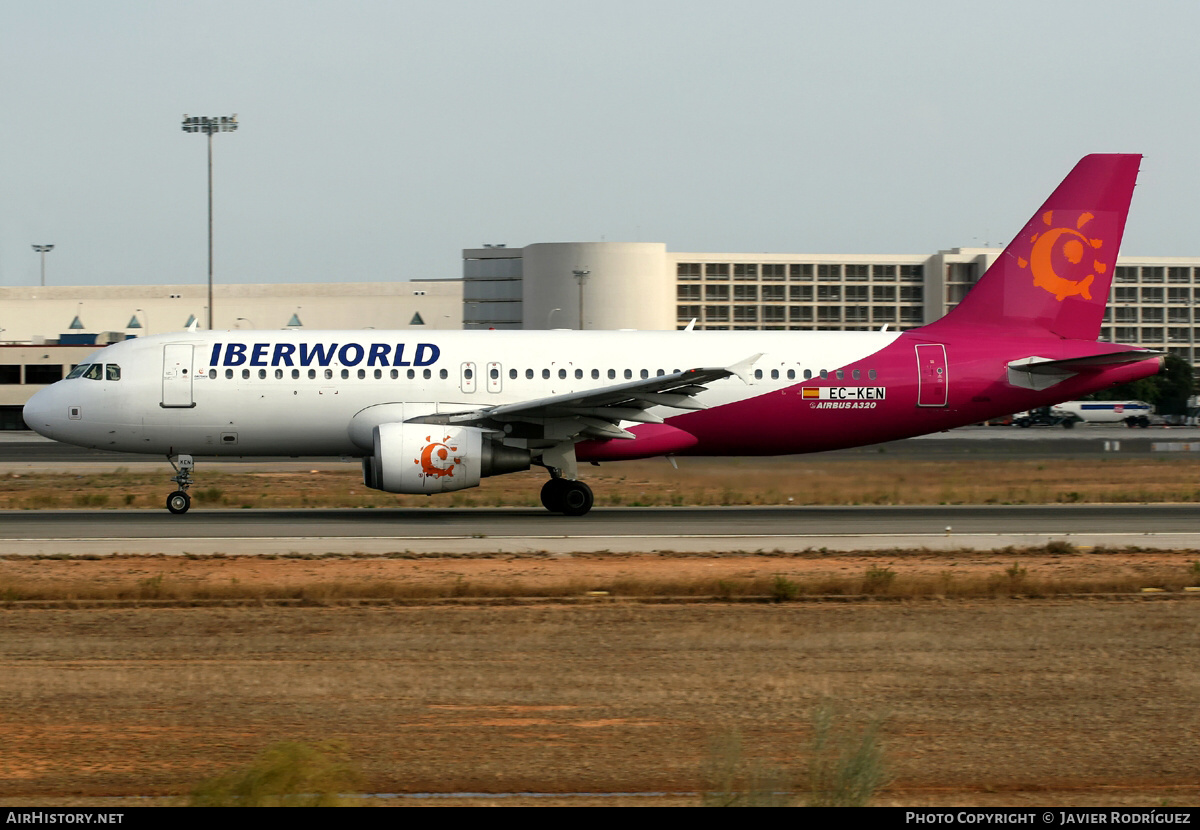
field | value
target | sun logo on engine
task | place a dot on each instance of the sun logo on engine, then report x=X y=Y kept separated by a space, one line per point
x=1060 y=258
x=437 y=458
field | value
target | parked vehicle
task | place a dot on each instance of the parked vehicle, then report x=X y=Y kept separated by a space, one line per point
x=1130 y=413
x=1045 y=416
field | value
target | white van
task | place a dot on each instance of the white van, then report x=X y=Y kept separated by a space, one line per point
x=1130 y=413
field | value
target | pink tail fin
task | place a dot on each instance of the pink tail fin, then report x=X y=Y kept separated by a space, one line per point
x=1054 y=277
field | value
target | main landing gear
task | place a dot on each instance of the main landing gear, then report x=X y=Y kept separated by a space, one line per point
x=179 y=501
x=567 y=496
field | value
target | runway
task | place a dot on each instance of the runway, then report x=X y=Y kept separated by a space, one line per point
x=617 y=530
x=445 y=530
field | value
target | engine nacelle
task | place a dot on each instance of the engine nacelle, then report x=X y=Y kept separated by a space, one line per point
x=434 y=458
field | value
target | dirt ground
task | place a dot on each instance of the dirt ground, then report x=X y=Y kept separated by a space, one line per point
x=984 y=702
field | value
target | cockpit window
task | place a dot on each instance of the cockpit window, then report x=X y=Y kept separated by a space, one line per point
x=112 y=371
x=78 y=370
x=94 y=372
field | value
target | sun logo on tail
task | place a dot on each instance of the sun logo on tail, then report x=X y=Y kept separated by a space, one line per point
x=1069 y=248
x=434 y=456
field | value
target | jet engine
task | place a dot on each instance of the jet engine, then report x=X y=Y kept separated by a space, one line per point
x=434 y=458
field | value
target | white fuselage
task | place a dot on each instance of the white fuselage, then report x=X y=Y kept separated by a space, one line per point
x=297 y=392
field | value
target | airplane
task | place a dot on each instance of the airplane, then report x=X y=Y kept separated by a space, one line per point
x=435 y=413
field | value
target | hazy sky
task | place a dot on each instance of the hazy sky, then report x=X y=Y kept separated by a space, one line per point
x=378 y=139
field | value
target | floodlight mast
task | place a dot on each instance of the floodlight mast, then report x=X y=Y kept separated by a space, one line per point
x=208 y=125
x=43 y=250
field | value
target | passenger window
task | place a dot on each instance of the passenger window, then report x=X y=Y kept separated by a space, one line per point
x=412 y=373
x=443 y=374
x=628 y=374
x=841 y=375
x=578 y=374
x=362 y=373
x=856 y=374
x=545 y=374
x=824 y=374
x=512 y=374
x=212 y=374
x=595 y=374
x=791 y=374
x=612 y=374
x=312 y=374
x=808 y=374
x=262 y=374
x=871 y=374
x=562 y=374
x=660 y=373
x=245 y=374
x=494 y=373
x=774 y=374
x=228 y=374
x=645 y=374
x=379 y=373
x=758 y=374
x=112 y=371
x=295 y=374
x=427 y=374
x=278 y=374
x=529 y=374
x=328 y=374
x=468 y=374
x=395 y=374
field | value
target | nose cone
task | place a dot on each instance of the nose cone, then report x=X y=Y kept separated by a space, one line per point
x=45 y=412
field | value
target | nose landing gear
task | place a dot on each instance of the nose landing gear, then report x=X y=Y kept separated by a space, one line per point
x=179 y=501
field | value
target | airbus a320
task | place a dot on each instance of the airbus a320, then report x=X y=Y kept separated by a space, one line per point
x=438 y=413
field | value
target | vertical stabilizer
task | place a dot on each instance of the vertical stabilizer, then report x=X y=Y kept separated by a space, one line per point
x=1054 y=277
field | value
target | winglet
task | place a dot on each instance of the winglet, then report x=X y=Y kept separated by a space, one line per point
x=742 y=368
x=192 y=327
x=691 y=326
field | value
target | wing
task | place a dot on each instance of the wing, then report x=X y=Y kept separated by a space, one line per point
x=594 y=413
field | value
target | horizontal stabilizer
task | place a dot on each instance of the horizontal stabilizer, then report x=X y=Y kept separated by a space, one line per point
x=1045 y=366
x=1043 y=372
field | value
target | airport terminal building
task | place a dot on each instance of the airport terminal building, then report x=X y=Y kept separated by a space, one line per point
x=44 y=331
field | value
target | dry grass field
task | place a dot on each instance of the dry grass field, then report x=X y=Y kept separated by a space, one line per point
x=983 y=703
x=989 y=699
x=1055 y=676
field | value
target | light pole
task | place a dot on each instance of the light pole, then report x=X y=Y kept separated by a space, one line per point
x=43 y=250
x=581 y=277
x=209 y=125
x=1195 y=303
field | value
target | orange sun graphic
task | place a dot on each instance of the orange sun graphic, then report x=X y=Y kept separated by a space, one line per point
x=1069 y=244
x=434 y=454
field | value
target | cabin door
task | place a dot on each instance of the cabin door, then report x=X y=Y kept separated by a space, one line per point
x=177 y=376
x=933 y=378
